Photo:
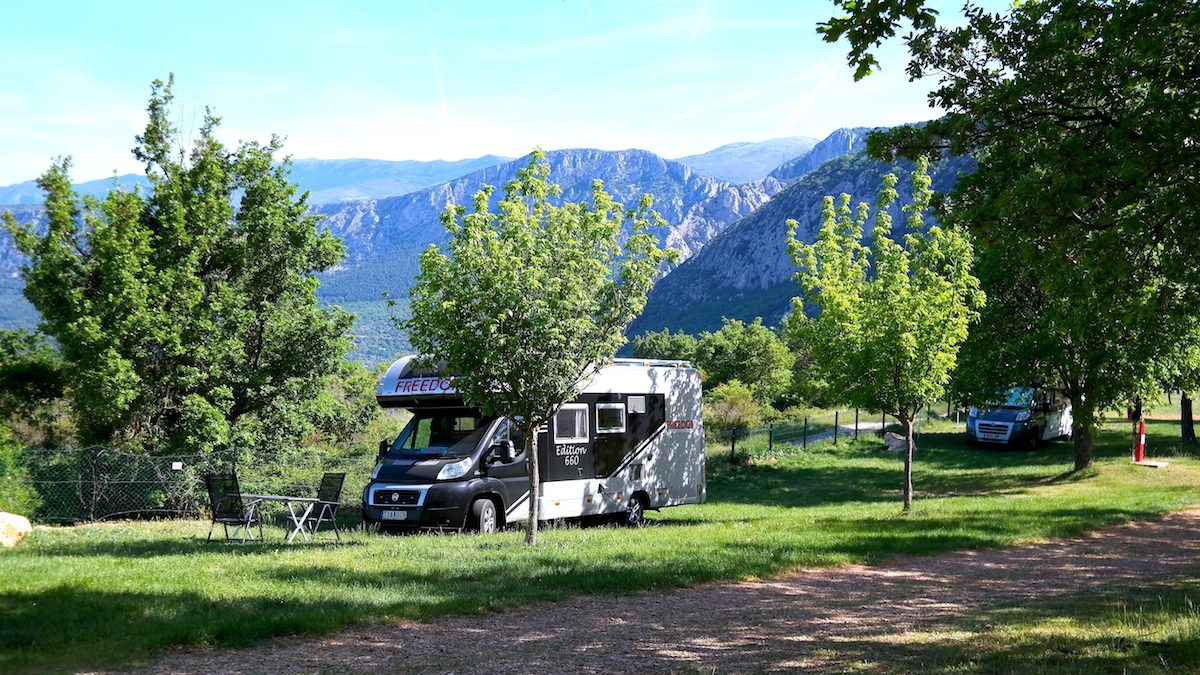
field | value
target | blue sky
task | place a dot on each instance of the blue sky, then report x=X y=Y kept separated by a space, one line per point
x=432 y=80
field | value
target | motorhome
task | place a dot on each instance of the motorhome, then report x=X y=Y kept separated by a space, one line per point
x=1027 y=417
x=632 y=440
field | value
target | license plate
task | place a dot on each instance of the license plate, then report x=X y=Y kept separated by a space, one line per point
x=992 y=437
x=395 y=515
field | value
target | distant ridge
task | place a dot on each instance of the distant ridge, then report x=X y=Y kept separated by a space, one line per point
x=839 y=143
x=328 y=180
x=746 y=162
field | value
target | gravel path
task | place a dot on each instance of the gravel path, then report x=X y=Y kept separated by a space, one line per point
x=825 y=619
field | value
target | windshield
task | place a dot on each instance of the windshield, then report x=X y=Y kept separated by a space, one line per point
x=1017 y=397
x=440 y=435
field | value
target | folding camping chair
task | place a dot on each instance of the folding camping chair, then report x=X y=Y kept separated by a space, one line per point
x=225 y=500
x=329 y=496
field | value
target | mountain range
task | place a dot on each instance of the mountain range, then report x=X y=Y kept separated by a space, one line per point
x=730 y=232
x=746 y=272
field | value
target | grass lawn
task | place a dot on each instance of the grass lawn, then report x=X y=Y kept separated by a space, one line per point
x=111 y=595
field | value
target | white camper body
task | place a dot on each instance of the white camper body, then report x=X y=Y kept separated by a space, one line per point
x=632 y=440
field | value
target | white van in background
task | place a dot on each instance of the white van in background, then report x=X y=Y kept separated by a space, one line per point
x=1027 y=418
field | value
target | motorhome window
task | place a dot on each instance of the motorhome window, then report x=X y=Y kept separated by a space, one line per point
x=571 y=423
x=610 y=418
x=637 y=404
x=439 y=435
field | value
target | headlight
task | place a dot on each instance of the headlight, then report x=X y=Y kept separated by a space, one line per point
x=1023 y=416
x=973 y=412
x=455 y=470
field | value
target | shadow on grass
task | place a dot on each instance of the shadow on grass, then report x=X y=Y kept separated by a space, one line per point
x=184 y=546
x=122 y=628
x=945 y=466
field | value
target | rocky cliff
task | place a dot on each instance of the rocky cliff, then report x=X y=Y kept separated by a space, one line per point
x=746 y=272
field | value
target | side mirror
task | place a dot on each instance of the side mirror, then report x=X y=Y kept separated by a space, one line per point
x=383 y=448
x=504 y=451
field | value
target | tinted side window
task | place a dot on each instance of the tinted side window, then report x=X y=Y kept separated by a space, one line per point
x=571 y=424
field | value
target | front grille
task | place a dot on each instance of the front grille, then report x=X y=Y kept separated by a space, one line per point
x=993 y=429
x=396 y=497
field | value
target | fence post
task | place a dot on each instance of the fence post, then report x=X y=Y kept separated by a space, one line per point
x=95 y=496
x=771 y=438
x=856 y=424
x=883 y=424
x=835 y=425
x=733 y=446
x=805 y=442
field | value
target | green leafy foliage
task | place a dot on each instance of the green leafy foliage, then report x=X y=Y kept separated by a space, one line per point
x=186 y=317
x=730 y=409
x=523 y=303
x=892 y=315
x=31 y=372
x=865 y=25
x=807 y=386
x=665 y=345
x=16 y=494
x=751 y=353
x=1081 y=114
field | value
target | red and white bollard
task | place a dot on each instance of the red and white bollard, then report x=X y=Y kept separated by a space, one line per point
x=1139 y=451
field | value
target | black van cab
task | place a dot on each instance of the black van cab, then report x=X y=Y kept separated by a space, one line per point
x=448 y=468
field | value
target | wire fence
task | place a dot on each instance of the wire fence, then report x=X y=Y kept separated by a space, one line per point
x=98 y=483
x=823 y=426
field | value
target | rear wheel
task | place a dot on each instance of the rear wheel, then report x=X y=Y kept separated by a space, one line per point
x=483 y=516
x=635 y=512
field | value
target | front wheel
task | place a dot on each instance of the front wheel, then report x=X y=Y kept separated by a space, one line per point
x=1035 y=439
x=483 y=516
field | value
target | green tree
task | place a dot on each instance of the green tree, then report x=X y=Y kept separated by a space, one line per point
x=665 y=345
x=32 y=386
x=1081 y=115
x=808 y=386
x=525 y=303
x=31 y=373
x=731 y=407
x=16 y=493
x=892 y=315
x=186 y=317
x=751 y=353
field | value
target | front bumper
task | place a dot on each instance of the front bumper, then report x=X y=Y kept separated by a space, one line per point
x=437 y=505
x=1001 y=433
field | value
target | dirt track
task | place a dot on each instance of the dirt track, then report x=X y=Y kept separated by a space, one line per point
x=817 y=619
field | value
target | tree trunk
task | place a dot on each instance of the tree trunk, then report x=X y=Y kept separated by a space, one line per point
x=909 y=447
x=1083 y=429
x=1085 y=441
x=531 y=463
x=1186 y=423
